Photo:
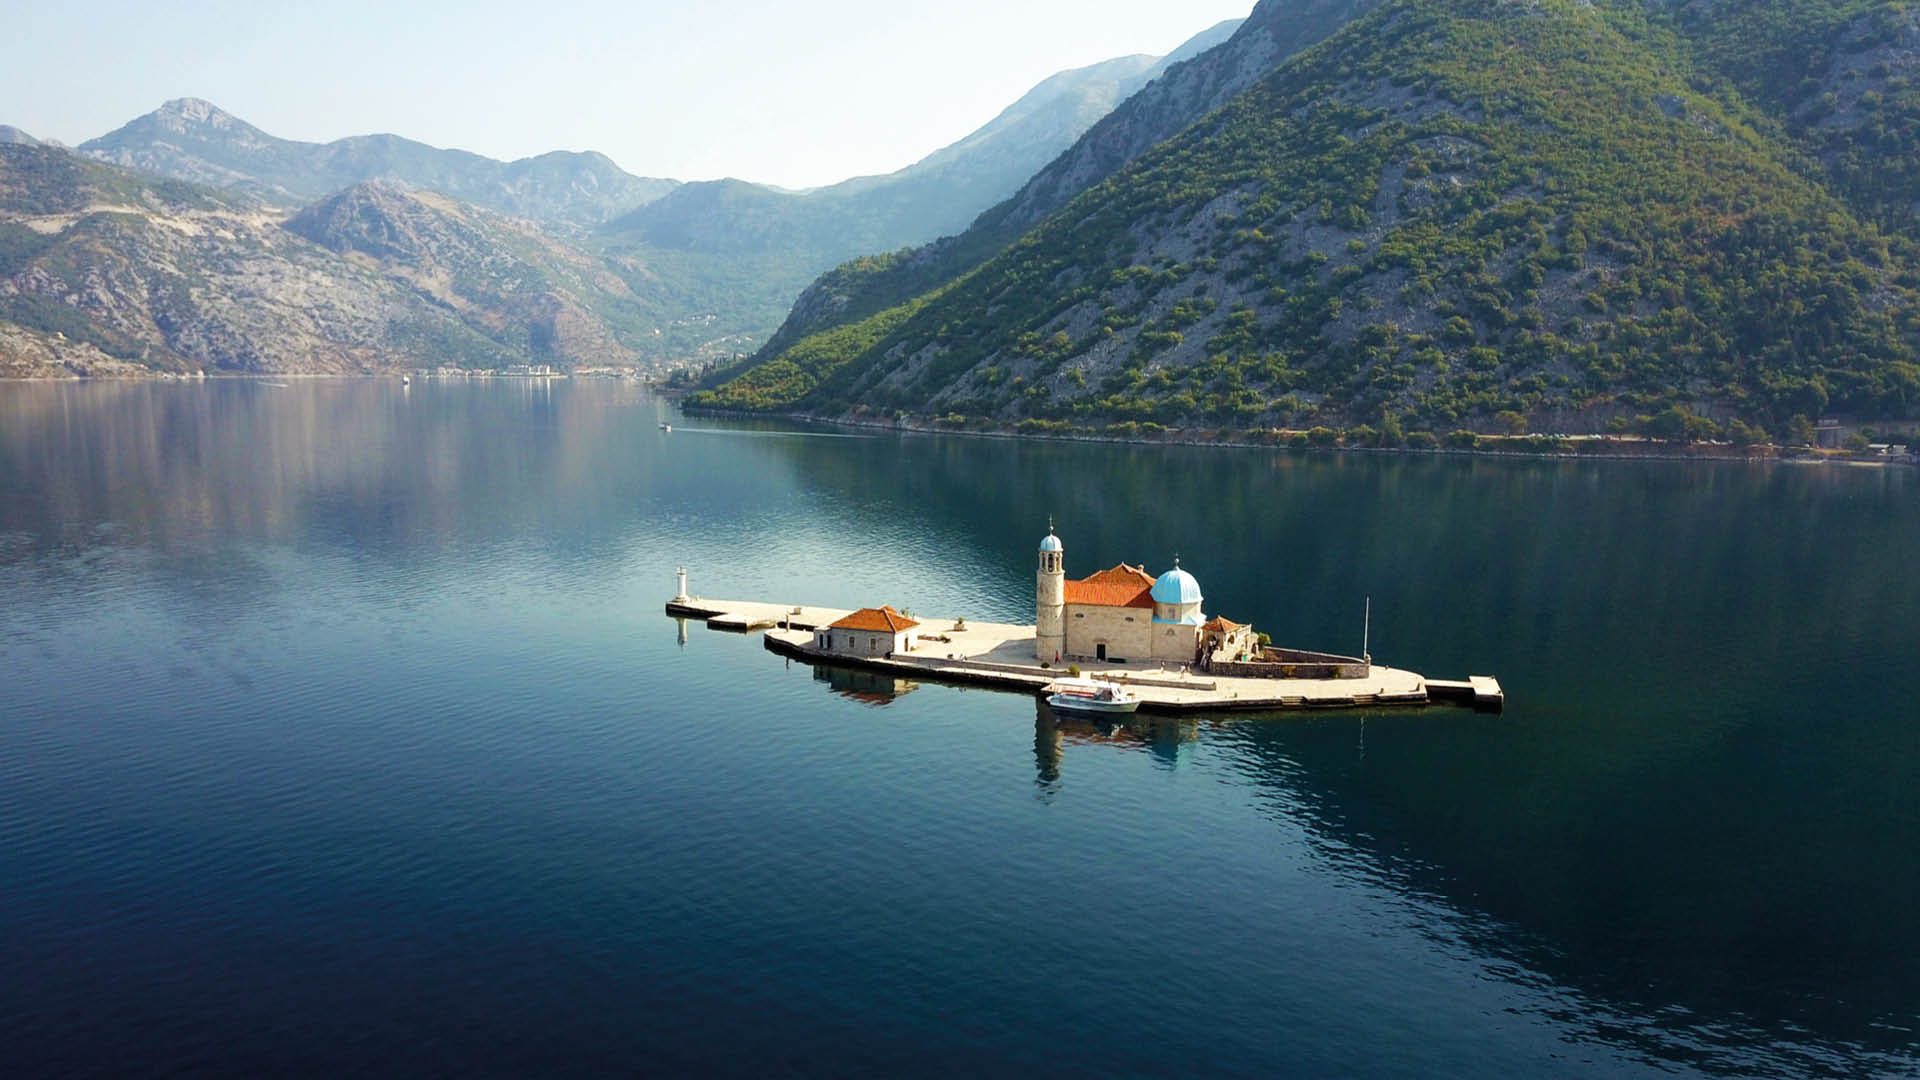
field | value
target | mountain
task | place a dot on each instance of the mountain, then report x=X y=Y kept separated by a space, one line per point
x=940 y=193
x=502 y=277
x=1841 y=76
x=678 y=272
x=754 y=248
x=110 y=271
x=190 y=139
x=11 y=134
x=1440 y=212
x=1191 y=82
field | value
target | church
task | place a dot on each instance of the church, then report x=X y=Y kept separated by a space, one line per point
x=1121 y=614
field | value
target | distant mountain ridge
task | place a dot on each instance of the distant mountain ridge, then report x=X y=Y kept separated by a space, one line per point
x=755 y=248
x=191 y=139
x=1192 y=81
x=190 y=239
x=787 y=238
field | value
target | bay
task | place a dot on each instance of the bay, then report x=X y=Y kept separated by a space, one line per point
x=341 y=728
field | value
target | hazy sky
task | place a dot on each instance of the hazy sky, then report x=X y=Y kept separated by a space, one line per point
x=787 y=93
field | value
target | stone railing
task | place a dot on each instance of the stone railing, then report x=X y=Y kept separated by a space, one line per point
x=1293 y=664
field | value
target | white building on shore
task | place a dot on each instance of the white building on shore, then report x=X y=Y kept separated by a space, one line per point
x=869 y=632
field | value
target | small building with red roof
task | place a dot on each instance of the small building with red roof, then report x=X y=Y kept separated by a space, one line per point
x=1226 y=639
x=869 y=632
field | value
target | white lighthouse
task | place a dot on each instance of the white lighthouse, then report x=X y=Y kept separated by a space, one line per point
x=1050 y=601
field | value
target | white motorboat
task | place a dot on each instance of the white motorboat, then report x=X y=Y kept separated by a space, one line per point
x=1091 y=696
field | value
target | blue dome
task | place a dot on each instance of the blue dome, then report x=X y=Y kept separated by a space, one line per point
x=1176 y=586
x=1051 y=543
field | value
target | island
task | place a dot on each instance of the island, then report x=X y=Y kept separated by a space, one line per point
x=1122 y=625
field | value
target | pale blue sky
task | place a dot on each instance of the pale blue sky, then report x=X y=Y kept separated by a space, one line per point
x=788 y=93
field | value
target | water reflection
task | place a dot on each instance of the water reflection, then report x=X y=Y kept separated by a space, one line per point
x=1634 y=931
x=1688 y=939
x=1694 y=827
x=1166 y=740
x=866 y=687
x=1698 y=810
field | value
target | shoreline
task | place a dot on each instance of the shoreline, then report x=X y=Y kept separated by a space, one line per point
x=1612 y=447
x=1597 y=447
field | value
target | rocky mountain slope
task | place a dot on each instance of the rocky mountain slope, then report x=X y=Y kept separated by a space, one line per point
x=1443 y=211
x=108 y=271
x=504 y=278
x=190 y=139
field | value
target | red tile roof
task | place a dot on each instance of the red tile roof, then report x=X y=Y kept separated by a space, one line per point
x=1223 y=624
x=881 y=619
x=1122 y=586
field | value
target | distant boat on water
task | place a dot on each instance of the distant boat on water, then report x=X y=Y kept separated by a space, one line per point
x=666 y=427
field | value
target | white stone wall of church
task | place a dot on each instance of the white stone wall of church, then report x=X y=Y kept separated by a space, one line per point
x=1125 y=630
x=1175 y=642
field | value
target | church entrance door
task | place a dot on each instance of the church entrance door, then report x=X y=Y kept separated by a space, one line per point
x=1100 y=651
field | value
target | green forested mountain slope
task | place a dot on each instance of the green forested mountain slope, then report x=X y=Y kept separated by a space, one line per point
x=1841 y=76
x=1445 y=211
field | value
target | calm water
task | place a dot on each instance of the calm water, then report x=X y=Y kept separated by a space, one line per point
x=340 y=729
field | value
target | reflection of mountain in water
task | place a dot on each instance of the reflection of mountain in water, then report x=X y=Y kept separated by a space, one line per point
x=1692 y=924
x=1698 y=807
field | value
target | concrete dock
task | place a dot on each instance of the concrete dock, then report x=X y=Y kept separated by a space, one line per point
x=1001 y=654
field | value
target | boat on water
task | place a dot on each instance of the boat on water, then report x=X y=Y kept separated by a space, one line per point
x=666 y=427
x=1091 y=696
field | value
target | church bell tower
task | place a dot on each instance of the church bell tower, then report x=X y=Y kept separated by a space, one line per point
x=1050 y=601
